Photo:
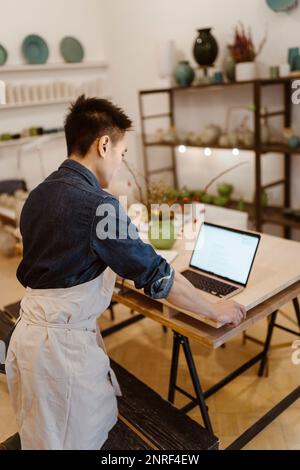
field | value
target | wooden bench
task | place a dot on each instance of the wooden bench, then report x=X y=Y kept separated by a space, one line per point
x=147 y=421
x=7 y=325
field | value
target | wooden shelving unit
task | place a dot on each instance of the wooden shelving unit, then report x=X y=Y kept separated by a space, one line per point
x=260 y=216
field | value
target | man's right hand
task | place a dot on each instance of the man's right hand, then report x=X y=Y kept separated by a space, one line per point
x=228 y=311
x=184 y=295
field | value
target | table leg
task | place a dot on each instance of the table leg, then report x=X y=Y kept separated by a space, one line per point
x=196 y=384
x=267 y=344
x=174 y=367
x=180 y=340
x=297 y=310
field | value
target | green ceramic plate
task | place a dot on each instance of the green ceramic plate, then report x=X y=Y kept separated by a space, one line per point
x=281 y=5
x=3 y=55
x=35 y=49
x=71 y=50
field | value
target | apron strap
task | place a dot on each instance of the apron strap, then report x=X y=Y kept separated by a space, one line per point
x=113 y=378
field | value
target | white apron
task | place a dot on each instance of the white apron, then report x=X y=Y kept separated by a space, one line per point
x=59 y=377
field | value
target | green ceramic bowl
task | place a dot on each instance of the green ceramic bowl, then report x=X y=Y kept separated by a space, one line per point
x=35 y=49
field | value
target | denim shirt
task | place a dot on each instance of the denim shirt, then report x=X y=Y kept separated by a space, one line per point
x=66 y=241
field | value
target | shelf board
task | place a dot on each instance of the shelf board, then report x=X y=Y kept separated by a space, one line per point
x=54 y=66
x=271 y=148
x=178 y=144
x=271 y=215
x=263 y=82
x=27 y=140
x=279 y=148
x=33 y=104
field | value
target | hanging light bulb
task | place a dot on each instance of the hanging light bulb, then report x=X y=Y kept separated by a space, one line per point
x=235 y=152
x=182 y=149
x=207 y=152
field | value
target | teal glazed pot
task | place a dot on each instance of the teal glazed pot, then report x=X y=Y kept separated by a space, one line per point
x=206 y=48
x=184 y=73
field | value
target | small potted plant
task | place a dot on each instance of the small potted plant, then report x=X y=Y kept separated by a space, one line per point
x=244 y=53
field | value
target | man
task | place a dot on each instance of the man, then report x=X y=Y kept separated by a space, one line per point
x=60 y=381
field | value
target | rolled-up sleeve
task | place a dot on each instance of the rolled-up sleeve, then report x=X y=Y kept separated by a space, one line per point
x=115 y=239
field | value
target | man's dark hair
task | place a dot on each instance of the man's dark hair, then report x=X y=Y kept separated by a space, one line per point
x=91 y=118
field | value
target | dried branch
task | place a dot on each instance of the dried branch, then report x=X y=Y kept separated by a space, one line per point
x=222 y=174
x=139 y=188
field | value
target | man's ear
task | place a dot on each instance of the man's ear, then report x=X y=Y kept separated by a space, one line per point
x=103 y=143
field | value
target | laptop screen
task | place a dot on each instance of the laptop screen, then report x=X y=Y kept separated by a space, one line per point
x=225 y=252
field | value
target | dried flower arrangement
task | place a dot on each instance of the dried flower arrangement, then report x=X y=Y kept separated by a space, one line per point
x=243 y=49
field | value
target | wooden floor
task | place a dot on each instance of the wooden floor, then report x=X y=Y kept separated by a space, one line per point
x=145 y=350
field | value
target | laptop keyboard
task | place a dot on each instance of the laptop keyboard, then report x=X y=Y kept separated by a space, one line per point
x=208 y=284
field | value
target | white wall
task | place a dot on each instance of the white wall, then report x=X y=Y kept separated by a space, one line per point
x=52 y=20
x=132 y=30
x=126 y=32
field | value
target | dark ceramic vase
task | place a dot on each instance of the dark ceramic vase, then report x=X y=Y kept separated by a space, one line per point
x=206 y=48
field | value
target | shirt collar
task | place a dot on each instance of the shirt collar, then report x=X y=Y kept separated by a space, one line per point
x=73 y=165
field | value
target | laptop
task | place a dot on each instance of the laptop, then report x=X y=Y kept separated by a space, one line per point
x=222 y=261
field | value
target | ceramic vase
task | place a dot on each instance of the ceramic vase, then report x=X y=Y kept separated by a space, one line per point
x=184 y=74
x=205 y=48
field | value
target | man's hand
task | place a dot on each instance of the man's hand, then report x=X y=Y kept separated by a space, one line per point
x=184 y=294
x=228 y=311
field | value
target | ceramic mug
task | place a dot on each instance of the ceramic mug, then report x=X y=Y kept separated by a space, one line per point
x=284 y=70
x=10 y=98
x=25 y=93
x=33 y=92
x=17 y=94
x=42 y=90
x=218 y=77
x=297 y=62
x=293 y=52
x=274 y=72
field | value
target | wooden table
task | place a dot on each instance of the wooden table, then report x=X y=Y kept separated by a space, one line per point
x=275 y=281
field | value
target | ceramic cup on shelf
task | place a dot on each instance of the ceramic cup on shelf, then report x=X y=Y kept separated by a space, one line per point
x=71 y=90
x=293 y=52
x=17 y=94
x=10 y=98
x=274 y=72
x=297 y=63
x=42 y=90
x=63 y=90
x=33 y=92
x=57 y=91
x=50 y=91
x=218 y=77
x=25 y=93
x=284 y=70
